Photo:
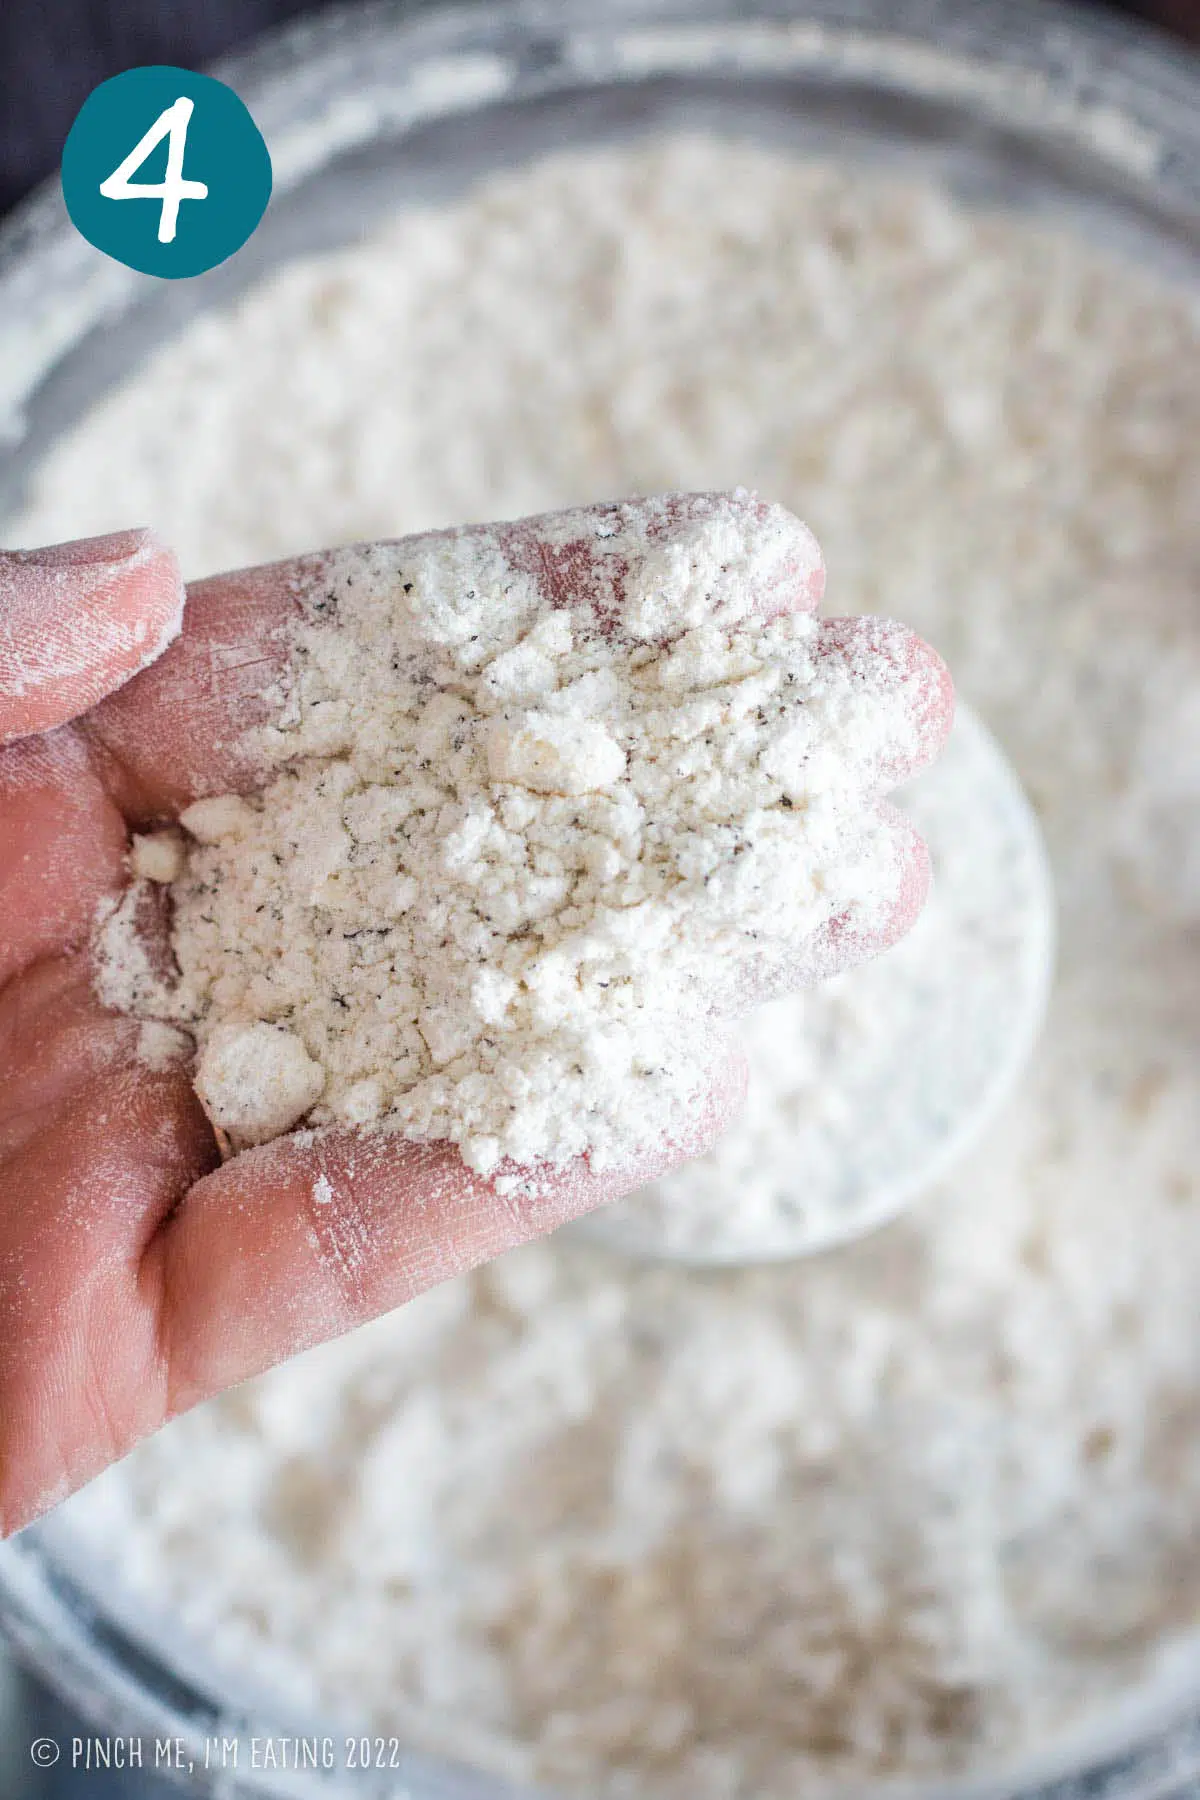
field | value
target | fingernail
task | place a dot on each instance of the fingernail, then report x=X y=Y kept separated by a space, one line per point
x=114 y=546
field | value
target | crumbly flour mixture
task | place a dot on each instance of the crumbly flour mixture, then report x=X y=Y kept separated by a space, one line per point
x=518 y=850
x=913 y=1506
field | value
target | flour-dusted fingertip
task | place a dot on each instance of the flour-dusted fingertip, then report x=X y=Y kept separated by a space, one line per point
x=909 y=679
x=935 y=701
x=78 y=620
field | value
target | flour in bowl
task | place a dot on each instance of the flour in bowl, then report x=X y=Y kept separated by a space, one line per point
x=914 y=1507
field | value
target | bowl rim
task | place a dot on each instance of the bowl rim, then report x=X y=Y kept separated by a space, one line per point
x=1122 y=90
x=1085 y=46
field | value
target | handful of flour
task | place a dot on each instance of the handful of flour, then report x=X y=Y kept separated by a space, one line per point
x=548 y=799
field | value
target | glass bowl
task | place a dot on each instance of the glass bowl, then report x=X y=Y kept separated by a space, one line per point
x=1013 y=102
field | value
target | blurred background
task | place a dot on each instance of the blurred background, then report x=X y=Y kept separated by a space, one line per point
x=52 y=55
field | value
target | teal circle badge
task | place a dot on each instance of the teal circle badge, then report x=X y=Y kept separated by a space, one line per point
x=166 y=171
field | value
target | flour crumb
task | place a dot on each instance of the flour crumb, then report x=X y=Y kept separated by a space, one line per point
x=255 y=1081
x=156 y=856
x=223 y=816
x=553 y=756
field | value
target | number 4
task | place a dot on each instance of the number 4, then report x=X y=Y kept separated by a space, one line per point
x=172 y=124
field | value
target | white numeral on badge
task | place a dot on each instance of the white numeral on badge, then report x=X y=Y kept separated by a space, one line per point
x=173 y=125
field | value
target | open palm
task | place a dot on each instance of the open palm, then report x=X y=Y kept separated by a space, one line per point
x=139 y=1274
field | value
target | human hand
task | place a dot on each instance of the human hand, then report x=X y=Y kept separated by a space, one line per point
x=138 y=1274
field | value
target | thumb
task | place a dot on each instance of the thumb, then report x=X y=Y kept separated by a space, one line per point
x=77 y=620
